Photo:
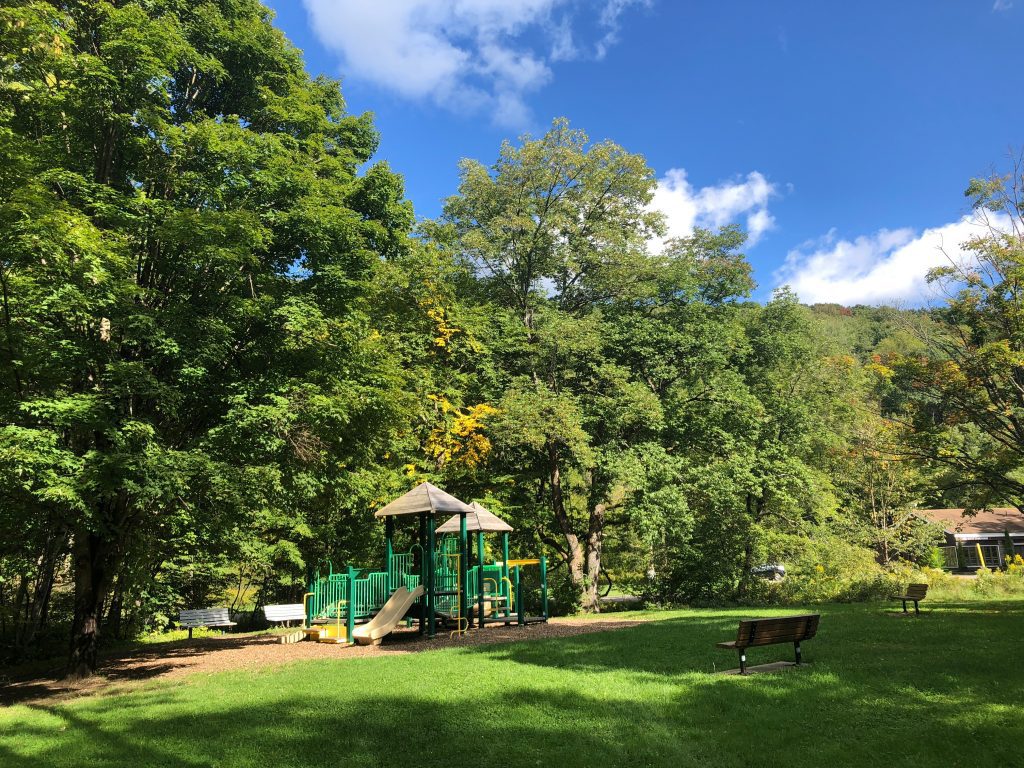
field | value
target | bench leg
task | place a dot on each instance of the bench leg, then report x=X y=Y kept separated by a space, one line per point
x=743 y=662
x=905 y=606
x=796 y=647
x=190 y=633
x=916 y=610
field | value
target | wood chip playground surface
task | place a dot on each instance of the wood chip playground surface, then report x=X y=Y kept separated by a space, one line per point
x=240 y=651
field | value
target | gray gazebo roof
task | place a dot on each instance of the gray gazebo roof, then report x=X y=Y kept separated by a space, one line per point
x=479 y=519
x=424 y=498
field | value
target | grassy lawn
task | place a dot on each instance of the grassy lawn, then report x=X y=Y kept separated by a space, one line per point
x=945 y=689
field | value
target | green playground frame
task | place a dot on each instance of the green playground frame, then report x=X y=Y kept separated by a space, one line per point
x=455 y=594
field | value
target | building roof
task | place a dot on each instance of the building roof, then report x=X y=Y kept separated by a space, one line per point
x=478 y=520
x=424 y=498
x=992 y=522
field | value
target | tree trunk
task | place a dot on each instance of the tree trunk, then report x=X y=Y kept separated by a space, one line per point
x=575 y=558
x=115 y=610
x=91 y=555
x=754 y=509
x=595 y=544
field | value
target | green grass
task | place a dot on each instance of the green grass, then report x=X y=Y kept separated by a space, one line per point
x=944 y=689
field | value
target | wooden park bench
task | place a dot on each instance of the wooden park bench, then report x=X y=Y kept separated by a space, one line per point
x=915 y=593
x=772 y=631
x=204 y=617
x=285 y=614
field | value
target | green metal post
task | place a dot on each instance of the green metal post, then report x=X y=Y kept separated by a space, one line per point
x=544 y=585
x=480 y=578
x=314 y=579
x=428 y=555
x=350 y=613
x=519 y=597
x=423 y=571
x=463 y=568
x=469 y=592
x=389 y=549
x=504 y=572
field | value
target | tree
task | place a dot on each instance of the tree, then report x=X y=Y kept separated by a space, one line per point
x=187 y=261
x=556 y=233
x=963 y=401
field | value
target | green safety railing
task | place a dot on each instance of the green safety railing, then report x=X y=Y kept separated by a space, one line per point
x=330 y=596
x=401 y=566
x=371 y=593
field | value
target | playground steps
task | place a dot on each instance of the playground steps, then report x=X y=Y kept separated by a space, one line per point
x=327 y=633
x=292 y=637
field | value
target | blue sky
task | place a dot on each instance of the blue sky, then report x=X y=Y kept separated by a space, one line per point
x=840 y=135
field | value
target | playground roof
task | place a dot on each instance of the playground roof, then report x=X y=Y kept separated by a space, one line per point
x=478 y=520
x=424 y=498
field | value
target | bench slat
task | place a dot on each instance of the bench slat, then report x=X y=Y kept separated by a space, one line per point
x=770 y=631
x=205 y=617
x=287 y=612
x=915 y=592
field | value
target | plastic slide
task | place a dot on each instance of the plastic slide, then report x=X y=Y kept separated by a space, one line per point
x=387 y=618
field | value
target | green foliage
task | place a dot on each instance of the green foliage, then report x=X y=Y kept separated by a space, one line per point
x=988 y=584
x=189 y=260
x=828 y=569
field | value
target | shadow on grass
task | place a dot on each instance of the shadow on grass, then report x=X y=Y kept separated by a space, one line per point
x=792 y=719
x=941 y=691
x=143 y=662
x=848 y=636
x=152 y=661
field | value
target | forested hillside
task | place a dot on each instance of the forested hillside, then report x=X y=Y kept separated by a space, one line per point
x=226 y=340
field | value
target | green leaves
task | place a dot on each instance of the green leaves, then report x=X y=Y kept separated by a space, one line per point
x=556 y=214
x=189 y=341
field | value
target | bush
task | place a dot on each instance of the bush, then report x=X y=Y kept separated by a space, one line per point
x=825 y=569
x=986 y=583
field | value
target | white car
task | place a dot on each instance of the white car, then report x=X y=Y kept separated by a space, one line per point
x=770 y=571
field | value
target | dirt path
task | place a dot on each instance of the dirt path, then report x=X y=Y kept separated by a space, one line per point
x=171 y=660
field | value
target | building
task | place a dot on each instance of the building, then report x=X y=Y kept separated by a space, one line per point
x=978 y=539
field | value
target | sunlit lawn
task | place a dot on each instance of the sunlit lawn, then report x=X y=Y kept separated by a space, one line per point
x=944 y=689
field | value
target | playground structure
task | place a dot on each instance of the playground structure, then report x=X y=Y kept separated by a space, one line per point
x=433 y=583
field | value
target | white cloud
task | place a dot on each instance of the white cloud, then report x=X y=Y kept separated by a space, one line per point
x=889 y=266
x=467 y=55
x=609 y=20
x=1002 y=5
x=742 y=201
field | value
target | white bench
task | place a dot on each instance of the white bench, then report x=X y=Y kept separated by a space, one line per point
x=204 y=617
x=285 y=613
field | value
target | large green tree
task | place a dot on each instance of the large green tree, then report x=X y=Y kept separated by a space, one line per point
x=187 y=255
x=556 y=233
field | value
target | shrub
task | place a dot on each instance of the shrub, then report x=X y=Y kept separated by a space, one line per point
x=825 y=569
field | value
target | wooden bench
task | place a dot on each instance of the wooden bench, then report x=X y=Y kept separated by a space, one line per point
x=772 y=631
x=285 y=614
x=915 y=593
x=204 y=617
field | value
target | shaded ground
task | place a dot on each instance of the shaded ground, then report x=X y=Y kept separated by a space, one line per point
x=919 y=692
x=219 y=653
